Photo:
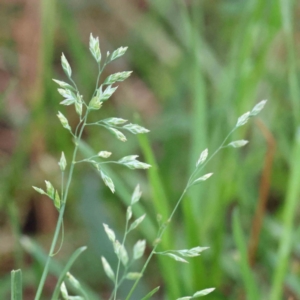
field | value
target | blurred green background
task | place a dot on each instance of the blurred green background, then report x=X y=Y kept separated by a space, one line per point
x=197 y=66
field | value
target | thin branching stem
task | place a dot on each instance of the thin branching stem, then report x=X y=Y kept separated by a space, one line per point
x=164 y=226
x=198 y=169
x=77 y=137
x=61 y=212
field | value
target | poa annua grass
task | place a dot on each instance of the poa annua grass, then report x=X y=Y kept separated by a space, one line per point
x=117 y=127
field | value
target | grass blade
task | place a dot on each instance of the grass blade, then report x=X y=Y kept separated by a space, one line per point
x=150 y=294
x=289 y=213
x=55 y=268
x=16 y=285
x=247 y=276
x=65 y=270
x=162 y=207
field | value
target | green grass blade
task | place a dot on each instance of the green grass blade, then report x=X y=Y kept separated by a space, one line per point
x=150 y=294
x=162 y=207
x=192 y=206
x=66 y=269
x=16 y=285
x=247 y=276
x=289 y=213
x=55 y=268
x=158 y=191
x=286 y=7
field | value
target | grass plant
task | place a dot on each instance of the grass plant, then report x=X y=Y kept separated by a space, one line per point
x=246 y=51
x=116 y=126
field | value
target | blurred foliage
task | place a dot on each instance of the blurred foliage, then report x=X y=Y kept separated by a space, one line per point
x=198 y=65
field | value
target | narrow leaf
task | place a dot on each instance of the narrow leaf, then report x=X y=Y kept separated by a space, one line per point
x=150 y=294
x=250 y=283
x=65 y=270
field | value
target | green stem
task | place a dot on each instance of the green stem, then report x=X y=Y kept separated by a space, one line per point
x=119 y=262
x=159 y=236
x=163 y=228
x=61 y=213
x=100 y=70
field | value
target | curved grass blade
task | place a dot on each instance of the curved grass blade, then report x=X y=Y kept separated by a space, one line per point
x=66 y=269
x=150 y=294
x=38 y=253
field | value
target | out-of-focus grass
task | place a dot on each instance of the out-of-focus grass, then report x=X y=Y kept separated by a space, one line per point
x=197 y=67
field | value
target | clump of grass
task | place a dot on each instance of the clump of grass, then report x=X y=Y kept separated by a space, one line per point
x=117 y=127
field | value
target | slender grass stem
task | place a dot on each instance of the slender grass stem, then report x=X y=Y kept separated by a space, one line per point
x=74 y=84
x=86 y=159
x=61 y=212
x=164 y=226
x=119 y=262
x=62 y=185
x=100 y=70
